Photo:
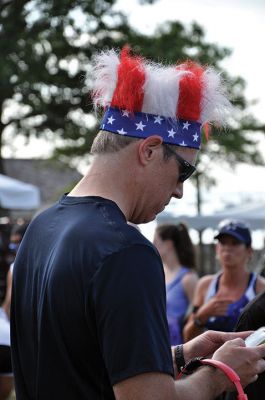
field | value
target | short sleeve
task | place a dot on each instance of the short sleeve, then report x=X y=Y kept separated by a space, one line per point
x=253 y=315
x=130 y=308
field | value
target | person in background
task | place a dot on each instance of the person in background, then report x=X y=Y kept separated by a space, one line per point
x=178 y=256
x=6 y=373
x=220 y=298
x=88 y=310
x=252 y=318
x=16 y=237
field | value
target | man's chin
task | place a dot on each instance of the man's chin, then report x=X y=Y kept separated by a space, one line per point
x=144 y=220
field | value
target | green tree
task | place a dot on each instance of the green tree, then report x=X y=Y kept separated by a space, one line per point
x=46 y=48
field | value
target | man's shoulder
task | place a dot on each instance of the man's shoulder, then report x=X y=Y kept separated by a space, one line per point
x=127 y=239
x=257 y=302
x=253 y=315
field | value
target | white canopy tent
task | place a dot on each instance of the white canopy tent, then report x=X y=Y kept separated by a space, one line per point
x=17 y=195
x=253 y=214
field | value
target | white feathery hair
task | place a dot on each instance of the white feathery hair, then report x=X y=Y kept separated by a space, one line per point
x=104 y=74
x=161 y=89
x=215 y=106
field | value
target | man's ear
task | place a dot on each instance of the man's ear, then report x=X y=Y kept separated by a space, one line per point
x=148 y=148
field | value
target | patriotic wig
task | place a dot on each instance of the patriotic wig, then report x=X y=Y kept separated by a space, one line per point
x=141 y=98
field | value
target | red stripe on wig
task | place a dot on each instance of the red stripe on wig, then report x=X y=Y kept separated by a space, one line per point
x=129 y=93
x=206 y=129
x=190 y=92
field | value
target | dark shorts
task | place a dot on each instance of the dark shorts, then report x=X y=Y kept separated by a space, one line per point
x=5 y=360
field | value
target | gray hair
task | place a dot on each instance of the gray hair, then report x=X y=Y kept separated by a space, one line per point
x=108 y=142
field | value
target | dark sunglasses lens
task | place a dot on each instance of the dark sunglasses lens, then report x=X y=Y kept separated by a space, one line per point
x=186 y=172
x=186 y=169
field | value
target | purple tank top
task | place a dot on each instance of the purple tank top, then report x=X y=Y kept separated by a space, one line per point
x=227 y=322
x=177 y=305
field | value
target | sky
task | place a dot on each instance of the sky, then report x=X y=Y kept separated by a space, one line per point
x=236 y=24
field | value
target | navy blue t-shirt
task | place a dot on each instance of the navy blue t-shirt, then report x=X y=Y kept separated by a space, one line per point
x=88 y=304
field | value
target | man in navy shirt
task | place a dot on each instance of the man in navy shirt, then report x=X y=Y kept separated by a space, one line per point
x=88 y=301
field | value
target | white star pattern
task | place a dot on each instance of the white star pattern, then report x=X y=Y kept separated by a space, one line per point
x=110 y=120
x=195 y=137
x=124 y=122
x=125 y=113
x=183 y=143
x=171 y=133
x=158 y=120
x=121 y=131
x=186 y=125
x=232 y=227
x=140 y=126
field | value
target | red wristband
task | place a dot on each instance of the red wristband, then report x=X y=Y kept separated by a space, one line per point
x=231 y=375
x=228 y=371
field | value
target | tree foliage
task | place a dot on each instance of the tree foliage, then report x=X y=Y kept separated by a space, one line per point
x=46 y=48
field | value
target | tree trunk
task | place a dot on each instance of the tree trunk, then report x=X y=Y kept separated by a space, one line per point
x=2 y=168
x=201 y=250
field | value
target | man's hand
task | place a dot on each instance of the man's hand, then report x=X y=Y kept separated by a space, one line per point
x=207 y=343
x=247 y=362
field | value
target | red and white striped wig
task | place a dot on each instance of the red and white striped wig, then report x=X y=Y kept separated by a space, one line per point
x=143 y=98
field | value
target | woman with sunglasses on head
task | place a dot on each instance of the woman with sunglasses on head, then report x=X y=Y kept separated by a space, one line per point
x=219 y=298
x=178 y=256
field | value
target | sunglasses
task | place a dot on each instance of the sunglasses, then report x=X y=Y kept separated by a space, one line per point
x=186 y=169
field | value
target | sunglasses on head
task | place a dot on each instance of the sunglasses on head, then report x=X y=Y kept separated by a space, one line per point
x=186 y=169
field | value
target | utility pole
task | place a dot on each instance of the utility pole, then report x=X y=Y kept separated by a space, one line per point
x=199 y=201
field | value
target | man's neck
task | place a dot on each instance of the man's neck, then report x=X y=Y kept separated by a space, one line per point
x=104 y=179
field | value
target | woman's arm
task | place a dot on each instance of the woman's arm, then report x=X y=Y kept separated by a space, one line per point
x=195 y=325
x=189 y=283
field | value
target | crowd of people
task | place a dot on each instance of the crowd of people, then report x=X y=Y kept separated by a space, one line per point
x=214 y=301
x=6 y=372
x=233 y=299
x=220 y=298
x=98 y=311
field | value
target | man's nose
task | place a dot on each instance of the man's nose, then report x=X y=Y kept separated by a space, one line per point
x=178 y=192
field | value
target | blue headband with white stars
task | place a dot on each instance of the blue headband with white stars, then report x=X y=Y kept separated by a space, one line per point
x=140 y=125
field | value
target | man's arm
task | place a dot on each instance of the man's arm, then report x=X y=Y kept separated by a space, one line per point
x=206 y=384
x=202 y=385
